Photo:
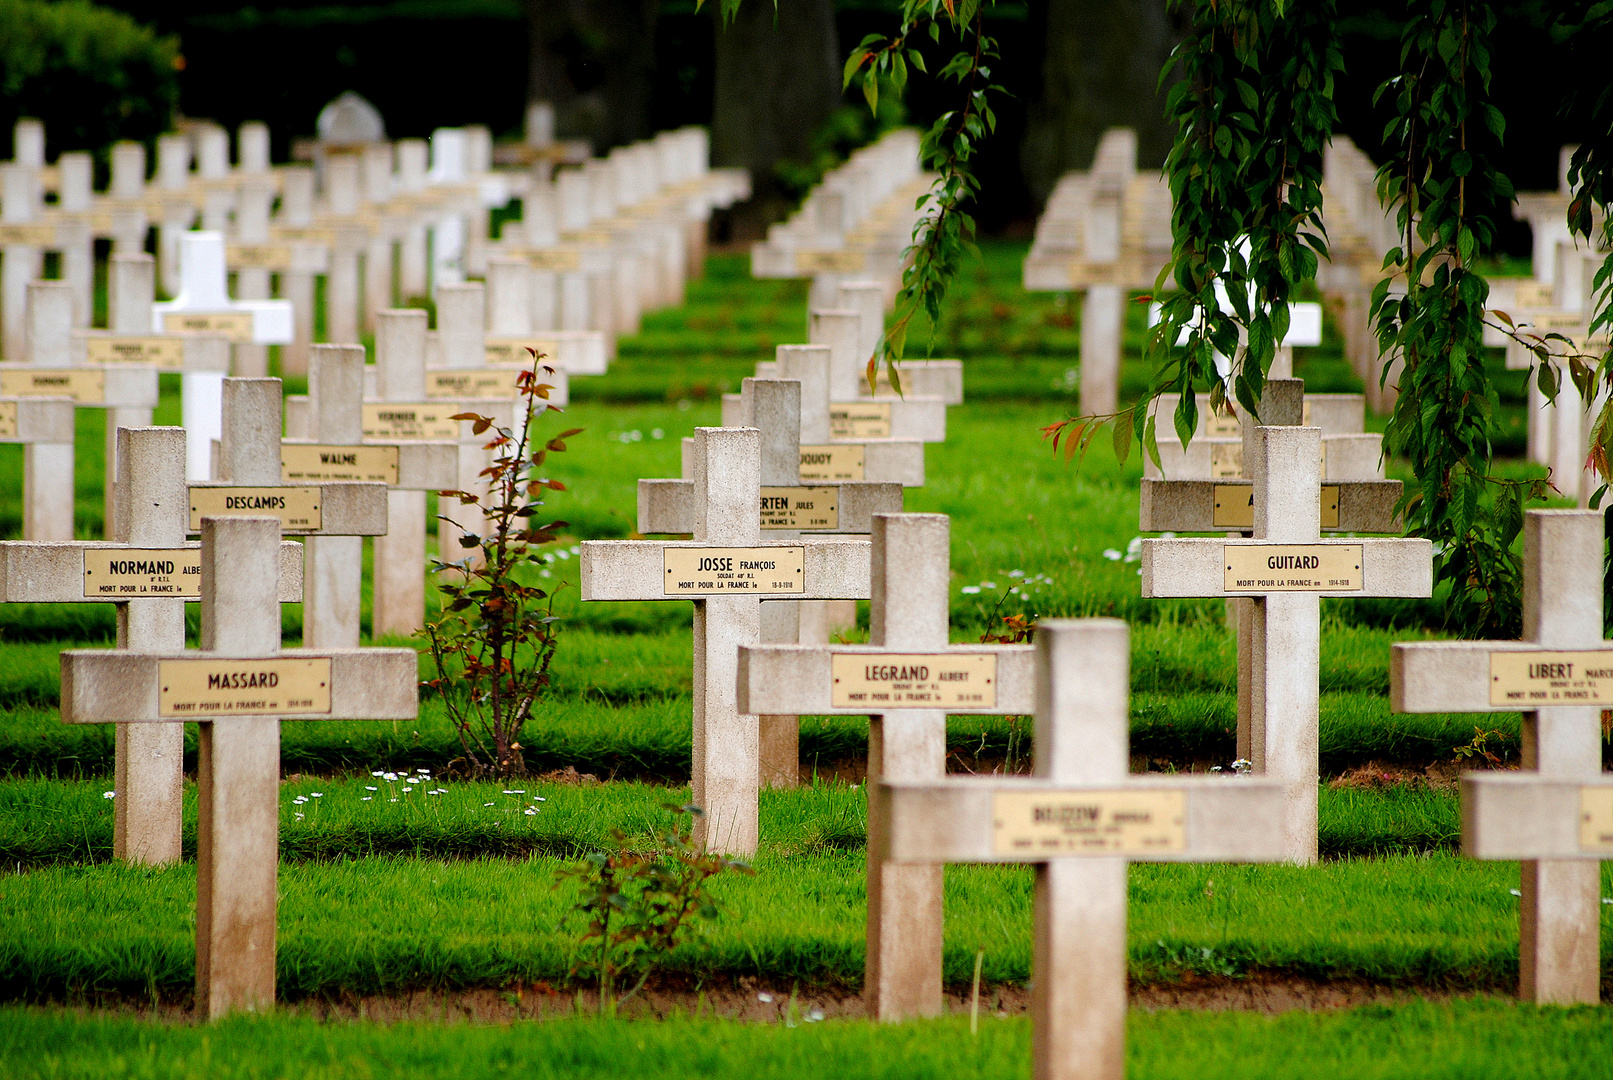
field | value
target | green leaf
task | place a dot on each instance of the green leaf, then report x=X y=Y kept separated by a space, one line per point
x=1122 y=441
x=871 y=91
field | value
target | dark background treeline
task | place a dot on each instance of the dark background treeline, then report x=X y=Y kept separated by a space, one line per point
x=769 y=86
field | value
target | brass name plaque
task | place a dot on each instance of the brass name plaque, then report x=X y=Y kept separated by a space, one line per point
x=913 y=680
x=554 y=258
x=831 y=463
x=800 y=508
x=1084 y=272
x=514 y=350
x=221 y=687
x=163 y=352
x=1535 y=294
x=412 y=422
x=307 y=462
x=860 y=421
x=1031 y=823
x=828 y=262
x=1532 y=680
x=1235 y=506
x=235 y=325
x=725 y=571
x=1222 y=425
x=122 y=573
x=472 y=383
x=296 y=507
x=307 y=236
x=1293 y=567
x=1226 y=461
x=258 y=257
x=8 y=419
x=28 y=235
x=84 y=387
x=1596 y=819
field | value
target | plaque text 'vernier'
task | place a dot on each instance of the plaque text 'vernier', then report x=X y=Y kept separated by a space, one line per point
x=1292 y=567
x=913 y=680
x=1528 y=680
x=296 y=507
x=831 y=463
x=162 y=352
x=307 y=462
x=1235 y=506
x=694 y=571
x=410 y=422
x=1032 y=824
x=225 y=687
x=235 y=325
x=128 y=573
x=1596 y=819
x=799 y=508
x=84 y=387
x=860 y=420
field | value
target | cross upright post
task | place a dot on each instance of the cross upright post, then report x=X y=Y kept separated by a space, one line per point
x=512 y=327
x=854 y=415
x=1080 y=820
x=238 y=687
x=1557 y=815
x=906 y=680
x=726 y=570
x=1283 y=571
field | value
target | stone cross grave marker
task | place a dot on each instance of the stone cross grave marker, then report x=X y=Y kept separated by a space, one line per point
x=1557 y=815
x=727 y=569
x=852 y=414
x=919 y=378
x=421 y=454
x=44 y=427
x=248 y=482
x=204 y=306
x=906 y=680
x=1284 y=570
x=238 y=686
x=512 y=288
x=148 y=571
x=50 y=372
x=1080 y=820
x=788 y=509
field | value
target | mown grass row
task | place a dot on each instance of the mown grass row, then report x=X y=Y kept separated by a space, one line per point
x=1476 y=1039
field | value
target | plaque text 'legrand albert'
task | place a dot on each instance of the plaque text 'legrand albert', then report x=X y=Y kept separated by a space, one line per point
x=878 y=681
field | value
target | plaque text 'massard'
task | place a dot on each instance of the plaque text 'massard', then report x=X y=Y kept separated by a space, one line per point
x=217 y=686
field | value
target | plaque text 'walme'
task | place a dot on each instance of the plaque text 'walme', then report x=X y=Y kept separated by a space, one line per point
x=309 y=462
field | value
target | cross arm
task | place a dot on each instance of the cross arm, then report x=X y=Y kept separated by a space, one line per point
x=346 y=507
x=1197 y=567
x=102 y=686
x=977 y=819
x=786 y=680
x=1461 y=677
x=37 y=420
x=833 y=569
x=52 y=572
x=1507 y=815
x=1353 y=506
x=668 y=506
x=422 y=466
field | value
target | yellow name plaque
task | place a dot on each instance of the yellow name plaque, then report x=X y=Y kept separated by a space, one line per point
x=163 y=352
x=473 y=383
x=124 y=573
x=28 y=235
x=554 y=258
x=871 y=420
x=1235 y=506
x=1222 y=425
x=913 y=680
x=84 y=387
x=800 y=508
x=831 y=463
x=1226 y=461
x=221 y=687
x=1037 y=824
x=296 y=507
x=828 y=262
x=1596 y=819
x=235 y=325
x=305 y=462
x=258 y=257
x=1531 y=680
x=726 y=571
x=8 y=419
x=410 y=422
x=514 y=350
x=1263 y=568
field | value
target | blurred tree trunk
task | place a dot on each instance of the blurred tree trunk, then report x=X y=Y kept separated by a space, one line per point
x=777 y=80
x=594 y=60
x=1100 y=70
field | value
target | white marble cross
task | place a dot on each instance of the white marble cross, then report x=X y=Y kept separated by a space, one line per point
x=238 y=686
x=1080 y=820
x=906 y=681
x=854 y=415
x=44 y=427
x=148 y=571
x=204 y=306
x=1557 y=815
x=1283 y=571
x=919 y=378
x=513 y=288
x=727 y=569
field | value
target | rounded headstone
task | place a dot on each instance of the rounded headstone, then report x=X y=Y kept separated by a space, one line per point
x=350 y=119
